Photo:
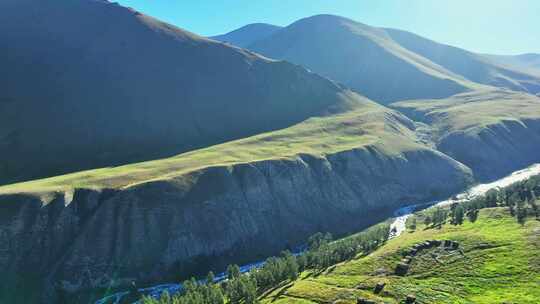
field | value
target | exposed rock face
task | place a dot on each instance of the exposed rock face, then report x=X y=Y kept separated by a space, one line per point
x=159 y=230
x=496 y=150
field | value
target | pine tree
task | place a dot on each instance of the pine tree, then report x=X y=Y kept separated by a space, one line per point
x=521 y=213
x=302 y=262
x=250 y=292
x=534 y=204
x=427 y=220
x=411 y=223
x=457 y=216
x=233 y=272
x=291 y=267
x=315 y=240
x=439 y=216
x=215 y=295
x=491 y=198
x=472 y=215
x=210 y=278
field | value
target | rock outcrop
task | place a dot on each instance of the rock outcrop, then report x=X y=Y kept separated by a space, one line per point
x=161 y=230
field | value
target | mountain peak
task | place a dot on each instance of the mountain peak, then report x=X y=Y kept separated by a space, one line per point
x=248 y=34
x=327 y=20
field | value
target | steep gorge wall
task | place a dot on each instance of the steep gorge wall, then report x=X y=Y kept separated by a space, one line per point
x=495 y=150
x=159 y=230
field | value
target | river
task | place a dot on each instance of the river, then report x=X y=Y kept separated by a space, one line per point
x=401 y=215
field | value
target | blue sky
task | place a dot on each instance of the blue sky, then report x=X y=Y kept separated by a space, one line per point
x=488 y=26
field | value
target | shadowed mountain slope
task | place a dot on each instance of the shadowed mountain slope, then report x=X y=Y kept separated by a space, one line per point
x=81 y=94
x=248 y=34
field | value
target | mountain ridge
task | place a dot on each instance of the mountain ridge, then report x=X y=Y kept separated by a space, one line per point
x=248 y=34
x=133 y=81
x=413 y=59
x=310 y=41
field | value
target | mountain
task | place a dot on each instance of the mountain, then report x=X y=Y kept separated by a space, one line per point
x=261 y=153
x=493 y=132
x=361 y=57
x=529 y=62
x=164 y=220
x=387 y=65
x=82 y=94
x=470 y=65
x=300 y=153
x=248 y=34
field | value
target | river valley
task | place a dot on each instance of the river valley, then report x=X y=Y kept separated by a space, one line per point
x=397 y=227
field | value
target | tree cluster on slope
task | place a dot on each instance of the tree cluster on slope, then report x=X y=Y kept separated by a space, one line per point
x=322 y=252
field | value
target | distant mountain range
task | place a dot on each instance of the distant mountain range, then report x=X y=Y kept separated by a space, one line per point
x=361 y=56
x=529 y=62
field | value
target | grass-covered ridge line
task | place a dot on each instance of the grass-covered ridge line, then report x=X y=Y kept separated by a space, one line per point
x=366 y=124
x=473 y=110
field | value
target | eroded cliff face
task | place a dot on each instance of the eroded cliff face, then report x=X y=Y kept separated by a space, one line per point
x=204 y=220
x=497 y=149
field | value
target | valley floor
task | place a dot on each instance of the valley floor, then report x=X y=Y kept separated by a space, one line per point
x=498 y=263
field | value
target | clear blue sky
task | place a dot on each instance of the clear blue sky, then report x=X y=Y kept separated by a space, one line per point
x=489 y=26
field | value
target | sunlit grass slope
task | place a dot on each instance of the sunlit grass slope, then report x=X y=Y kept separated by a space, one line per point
x=500 y=264
x=366 y=124
x=473 y=110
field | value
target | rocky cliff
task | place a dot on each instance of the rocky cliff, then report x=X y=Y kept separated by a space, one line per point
x=160 y=230
x=497 y=149
x=492 y=132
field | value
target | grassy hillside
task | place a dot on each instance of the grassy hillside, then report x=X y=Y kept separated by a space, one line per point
x=499 y=264
x=367 y=124
x=364 y=58
x=230 y=203
x=471 y=111
x=80 y=94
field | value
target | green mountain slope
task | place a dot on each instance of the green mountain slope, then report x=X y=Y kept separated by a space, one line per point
x=497 y=262
x=80 y=94
x=231 y=203
x=364 y=58
x=366 y=124
x=266 y=152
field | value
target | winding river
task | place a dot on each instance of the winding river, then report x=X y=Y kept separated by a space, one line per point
x=401 y=215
